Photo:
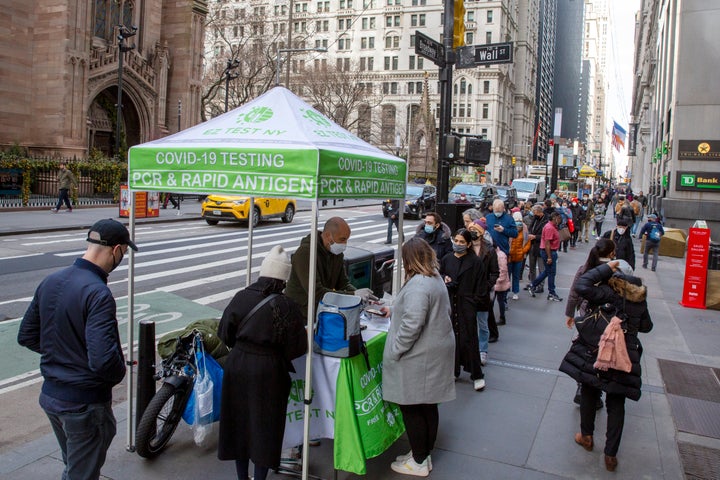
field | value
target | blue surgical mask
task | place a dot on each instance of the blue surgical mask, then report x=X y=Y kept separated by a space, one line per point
x=429 y=229
x=459 y=248
x=498 y=214
x=519 y=224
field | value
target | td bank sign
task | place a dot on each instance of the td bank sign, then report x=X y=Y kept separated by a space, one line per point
x=698 y=181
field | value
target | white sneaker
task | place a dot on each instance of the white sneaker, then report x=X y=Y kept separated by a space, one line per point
x=411 y=467
x=515 y=297
x=479 y=384
x=483 y=358
x=408 y=456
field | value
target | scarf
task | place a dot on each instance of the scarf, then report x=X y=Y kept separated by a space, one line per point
x=613 y=351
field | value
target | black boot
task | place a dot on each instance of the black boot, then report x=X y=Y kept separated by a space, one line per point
x=578 y=394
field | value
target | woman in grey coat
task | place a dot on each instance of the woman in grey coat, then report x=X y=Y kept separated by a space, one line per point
x=418 y=361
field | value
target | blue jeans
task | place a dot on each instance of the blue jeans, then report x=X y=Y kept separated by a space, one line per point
x=515 y=269
x=655 y=247
x=84 y=439
x=483 y=330
x=549 y=272
x=63 y=197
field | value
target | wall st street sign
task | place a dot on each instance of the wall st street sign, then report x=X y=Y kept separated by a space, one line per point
x=430 y=49
x=494 y=53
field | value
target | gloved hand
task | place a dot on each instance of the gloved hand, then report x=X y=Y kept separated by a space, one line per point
x=366 y=294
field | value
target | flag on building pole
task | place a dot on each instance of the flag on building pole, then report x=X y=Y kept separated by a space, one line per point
x=618 y=136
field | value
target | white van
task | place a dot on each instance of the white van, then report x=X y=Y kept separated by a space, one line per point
x=530 y=189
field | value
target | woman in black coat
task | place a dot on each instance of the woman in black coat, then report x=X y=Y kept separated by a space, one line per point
x=462 y=271
x=256 y=382
x=599 y=286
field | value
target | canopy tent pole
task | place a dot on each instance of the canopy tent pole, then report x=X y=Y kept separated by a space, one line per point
x=251 y=215
x=130 y=446
x=397 y=277
x=310 y=331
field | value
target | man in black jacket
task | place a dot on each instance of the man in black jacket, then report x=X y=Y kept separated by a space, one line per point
x=624 y=248
x=535 y=227
x=71 y=323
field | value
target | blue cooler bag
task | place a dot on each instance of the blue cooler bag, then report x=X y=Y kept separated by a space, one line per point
x=337 y=333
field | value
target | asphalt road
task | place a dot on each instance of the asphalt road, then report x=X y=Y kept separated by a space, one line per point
x=184 y=271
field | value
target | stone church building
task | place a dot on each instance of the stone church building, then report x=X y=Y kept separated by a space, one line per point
x=59 y=73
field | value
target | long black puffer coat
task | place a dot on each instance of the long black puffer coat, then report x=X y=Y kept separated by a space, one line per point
x=599 y=286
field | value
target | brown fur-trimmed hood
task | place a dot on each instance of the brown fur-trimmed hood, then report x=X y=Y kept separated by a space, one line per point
x=627 y=289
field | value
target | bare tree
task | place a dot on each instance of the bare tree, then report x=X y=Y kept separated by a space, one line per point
x=339 y=94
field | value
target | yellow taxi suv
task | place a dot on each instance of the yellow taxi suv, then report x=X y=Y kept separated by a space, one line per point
x=235 y=208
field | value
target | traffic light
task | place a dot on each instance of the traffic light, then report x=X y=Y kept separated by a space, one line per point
x=513 y=160
x=459 y=24
x=664 y=148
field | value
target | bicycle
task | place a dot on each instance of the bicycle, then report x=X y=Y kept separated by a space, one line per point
x=163 y=413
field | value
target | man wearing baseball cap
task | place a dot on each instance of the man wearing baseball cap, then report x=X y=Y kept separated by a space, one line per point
x=71 y=323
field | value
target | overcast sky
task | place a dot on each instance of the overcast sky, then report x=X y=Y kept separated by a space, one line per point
x=621 y=51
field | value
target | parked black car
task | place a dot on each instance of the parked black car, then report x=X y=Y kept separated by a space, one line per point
x=481 y=195
x=418 y=200
x=507 y=195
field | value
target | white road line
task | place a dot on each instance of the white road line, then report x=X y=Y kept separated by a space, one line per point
x=21 y=256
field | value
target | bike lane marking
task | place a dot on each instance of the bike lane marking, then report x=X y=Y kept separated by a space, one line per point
x=20 y=367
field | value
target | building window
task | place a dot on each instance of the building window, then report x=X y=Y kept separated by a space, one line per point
x=411 y=87
x=411 y=63
x=415 y=3
x=488 y=37
x=463 y=87
x=412 y=41
x=486 y=86
x=344 y=43
x=469 y=38
x=392 y=20
x=420 y=63
x=485 y=111
x=392 y=41
x=387 y=129
x=395 y=63
x=489 y=16
x=345 y=4
x=109 y=14
x=484 y=133
x=470 y=15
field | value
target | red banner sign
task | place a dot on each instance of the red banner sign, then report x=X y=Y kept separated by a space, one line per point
x=696 y=265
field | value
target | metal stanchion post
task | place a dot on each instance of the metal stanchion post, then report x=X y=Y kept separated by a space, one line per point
x=145 y=368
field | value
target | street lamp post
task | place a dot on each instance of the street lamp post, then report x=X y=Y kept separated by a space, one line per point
x=291 y=50
x=229 y=74
x=123 y=34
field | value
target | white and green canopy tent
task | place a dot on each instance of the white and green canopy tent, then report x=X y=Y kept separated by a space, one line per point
x=274 y=146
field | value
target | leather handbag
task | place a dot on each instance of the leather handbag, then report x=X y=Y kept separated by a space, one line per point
x=564 y=234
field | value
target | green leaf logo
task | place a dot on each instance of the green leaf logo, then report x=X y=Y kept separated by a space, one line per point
x=317 y=119
x=256 y=115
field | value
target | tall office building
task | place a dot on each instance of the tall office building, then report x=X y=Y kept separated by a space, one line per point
x=674 y=146
x=597 y=146
x=374 y=42
x=544 y=84
x=567 y=93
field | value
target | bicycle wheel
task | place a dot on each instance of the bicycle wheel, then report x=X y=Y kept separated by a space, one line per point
x=160 y=420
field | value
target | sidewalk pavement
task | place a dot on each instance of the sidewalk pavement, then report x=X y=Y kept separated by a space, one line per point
x=522 y=425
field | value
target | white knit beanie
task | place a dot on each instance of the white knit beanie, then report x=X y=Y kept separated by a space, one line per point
x=276 y=264
x=517 y=216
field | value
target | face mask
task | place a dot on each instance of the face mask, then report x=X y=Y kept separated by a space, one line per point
x=429 y=229
x=487 y=238
x=621 y=230
x=584 y=207
x=459 y=248
x=338 y=248
x=474 y=235
x=115 y=265
x=518 y=224
x=497 y=214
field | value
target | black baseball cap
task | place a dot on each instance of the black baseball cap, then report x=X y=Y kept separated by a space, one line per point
x=110 y=232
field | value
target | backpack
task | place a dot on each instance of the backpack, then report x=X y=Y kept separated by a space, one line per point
x=337 y=332
x=593 y=323
x=654 y=234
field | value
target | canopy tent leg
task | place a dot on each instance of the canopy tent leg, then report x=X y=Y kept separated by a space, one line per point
x=130 y=446
x=398 y=273
x=251 y=214
x=310 y=331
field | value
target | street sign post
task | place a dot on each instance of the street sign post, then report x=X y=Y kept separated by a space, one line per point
x=494 y=53
x=430 y=49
